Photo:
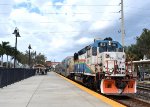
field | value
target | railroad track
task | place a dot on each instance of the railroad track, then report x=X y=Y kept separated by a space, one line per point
x=140 y=99
x=143 y=92
x=144 y=87
x=129 y=101
x=132 y=100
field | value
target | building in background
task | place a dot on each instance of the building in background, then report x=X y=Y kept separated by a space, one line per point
x=51 y=65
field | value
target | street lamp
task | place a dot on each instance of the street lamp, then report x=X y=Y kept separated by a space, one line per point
x=16 y=32
x=29 y=54
x=35 y=57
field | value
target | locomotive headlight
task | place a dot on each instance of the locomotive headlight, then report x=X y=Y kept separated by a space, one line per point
x=130 y=71
x=110 y=70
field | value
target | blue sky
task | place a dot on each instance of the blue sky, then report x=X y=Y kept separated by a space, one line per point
x=59 y=28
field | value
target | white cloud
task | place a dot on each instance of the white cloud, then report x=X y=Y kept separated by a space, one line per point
x=84 y=40
x=99 y=25
x=20 y=1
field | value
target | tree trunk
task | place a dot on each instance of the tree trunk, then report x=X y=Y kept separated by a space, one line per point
x=2 y=61
x=10 y=60
x=7 y=62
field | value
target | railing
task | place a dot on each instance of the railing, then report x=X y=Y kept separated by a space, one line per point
x=115 y=66
x=10 y=76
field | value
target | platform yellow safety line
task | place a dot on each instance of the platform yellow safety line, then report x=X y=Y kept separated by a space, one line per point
x=101 y=97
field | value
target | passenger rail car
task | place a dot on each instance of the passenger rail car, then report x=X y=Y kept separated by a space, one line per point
x=102 y=66
x=65 y=67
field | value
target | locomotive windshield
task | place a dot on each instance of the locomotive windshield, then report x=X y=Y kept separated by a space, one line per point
x=109 y=47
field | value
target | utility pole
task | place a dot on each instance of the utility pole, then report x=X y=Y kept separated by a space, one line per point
x=122 y=23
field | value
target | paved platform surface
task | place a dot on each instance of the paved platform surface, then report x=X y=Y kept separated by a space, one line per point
x=47 y=91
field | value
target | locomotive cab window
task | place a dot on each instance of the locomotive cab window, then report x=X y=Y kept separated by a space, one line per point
x=120 y=49
x=102 y=47
x=88 y=51
x=76 y=56
x=94 y=51
x=112 y=47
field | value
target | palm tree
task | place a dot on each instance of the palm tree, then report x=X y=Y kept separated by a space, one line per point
x=9 y=52
x=4 y=47
x=14 y=53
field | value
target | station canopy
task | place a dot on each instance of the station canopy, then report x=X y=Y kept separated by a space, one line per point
x=39 y=66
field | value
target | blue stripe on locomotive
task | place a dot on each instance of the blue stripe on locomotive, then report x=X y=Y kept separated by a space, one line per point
x=81 y=68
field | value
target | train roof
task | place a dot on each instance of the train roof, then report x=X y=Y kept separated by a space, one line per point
x=97 y=41
x=67 y=58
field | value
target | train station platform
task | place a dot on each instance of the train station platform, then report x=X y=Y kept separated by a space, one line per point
x=51 y=90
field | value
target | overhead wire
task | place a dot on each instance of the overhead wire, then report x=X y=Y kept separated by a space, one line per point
x=54 y=32
x=77 y=13
x=4 y=4
x=70 y=4
x=65 y=12
x=80 y=5
x=136 y=8
x=86 y=5
x=58 y=22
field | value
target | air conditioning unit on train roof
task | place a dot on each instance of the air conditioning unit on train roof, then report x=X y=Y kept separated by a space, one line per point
x=97 y=39
x=145 y=57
